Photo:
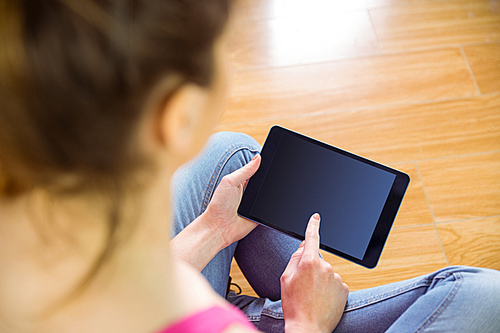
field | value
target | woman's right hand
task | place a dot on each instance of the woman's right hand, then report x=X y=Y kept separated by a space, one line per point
x=313 y=296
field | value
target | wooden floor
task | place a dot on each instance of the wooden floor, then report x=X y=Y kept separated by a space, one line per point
x=414 y=84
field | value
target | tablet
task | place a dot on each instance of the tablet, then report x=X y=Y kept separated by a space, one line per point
x=357 y=198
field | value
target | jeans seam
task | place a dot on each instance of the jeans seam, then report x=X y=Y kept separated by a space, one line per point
x=439 y=310
x=275 y=315
x=379 y=298
x=218 y=170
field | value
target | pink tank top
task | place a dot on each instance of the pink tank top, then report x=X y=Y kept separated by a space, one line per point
x=213 y=320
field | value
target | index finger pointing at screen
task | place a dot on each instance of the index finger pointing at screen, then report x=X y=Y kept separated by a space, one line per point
x=312 y=235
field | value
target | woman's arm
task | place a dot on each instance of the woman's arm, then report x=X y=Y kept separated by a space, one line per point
x=219 y=226
x=198 y=243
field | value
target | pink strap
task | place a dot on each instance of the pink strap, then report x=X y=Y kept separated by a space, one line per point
x=212 y=320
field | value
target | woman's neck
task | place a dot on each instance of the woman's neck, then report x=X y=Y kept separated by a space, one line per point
x=42 y=261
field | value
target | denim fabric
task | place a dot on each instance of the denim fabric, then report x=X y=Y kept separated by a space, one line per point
x=453 y=299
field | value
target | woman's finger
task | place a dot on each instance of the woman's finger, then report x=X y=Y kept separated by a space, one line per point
x=312 y=236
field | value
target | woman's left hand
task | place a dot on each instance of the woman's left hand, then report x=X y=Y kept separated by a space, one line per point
x=219 y=226
x=221 y=212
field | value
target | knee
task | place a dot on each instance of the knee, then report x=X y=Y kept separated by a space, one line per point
x=229 y=140
x=482 y=281
x=489 y=278
x=482 y=295
x=476 y=273
x=476 y=280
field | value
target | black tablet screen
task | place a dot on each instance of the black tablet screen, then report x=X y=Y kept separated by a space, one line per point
x=349 y=194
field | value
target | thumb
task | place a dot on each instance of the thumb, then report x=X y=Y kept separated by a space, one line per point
x=244 y=173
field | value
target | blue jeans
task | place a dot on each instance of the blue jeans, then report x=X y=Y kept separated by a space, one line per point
x=453 y=299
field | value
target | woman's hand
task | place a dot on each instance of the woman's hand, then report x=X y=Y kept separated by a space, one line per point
x=220 y=225
x=221 y=212
x=312 y=295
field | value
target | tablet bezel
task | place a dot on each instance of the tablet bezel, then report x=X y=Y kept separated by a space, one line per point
x=386 y=219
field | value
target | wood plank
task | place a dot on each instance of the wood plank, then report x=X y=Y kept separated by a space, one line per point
x=340 y=85
x=436 y=23
x=265 y=9
x=397 y=134
x=484 y=61
x=463 y=187
x=301 y=39
x=472 y=243
x=408 y=253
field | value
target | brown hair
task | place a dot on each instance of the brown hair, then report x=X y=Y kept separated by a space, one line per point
x=74 y=75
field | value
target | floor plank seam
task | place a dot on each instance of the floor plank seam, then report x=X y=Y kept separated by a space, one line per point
x=412 y=226
x=467 y=220
x=375 y=32
x=432 y=213
x=470 y=70
x=442 y=246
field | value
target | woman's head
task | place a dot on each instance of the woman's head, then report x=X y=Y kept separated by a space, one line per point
x=78 y=76
x=92 y=91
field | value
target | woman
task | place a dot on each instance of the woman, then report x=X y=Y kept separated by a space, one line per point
x=100 y=103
